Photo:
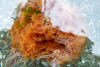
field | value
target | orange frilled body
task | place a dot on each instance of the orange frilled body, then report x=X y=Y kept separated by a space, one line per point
x=37 y=37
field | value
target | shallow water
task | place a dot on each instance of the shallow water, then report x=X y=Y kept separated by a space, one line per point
x=89 y=8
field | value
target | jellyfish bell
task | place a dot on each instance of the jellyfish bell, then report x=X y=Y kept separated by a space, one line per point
x=49 y=27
